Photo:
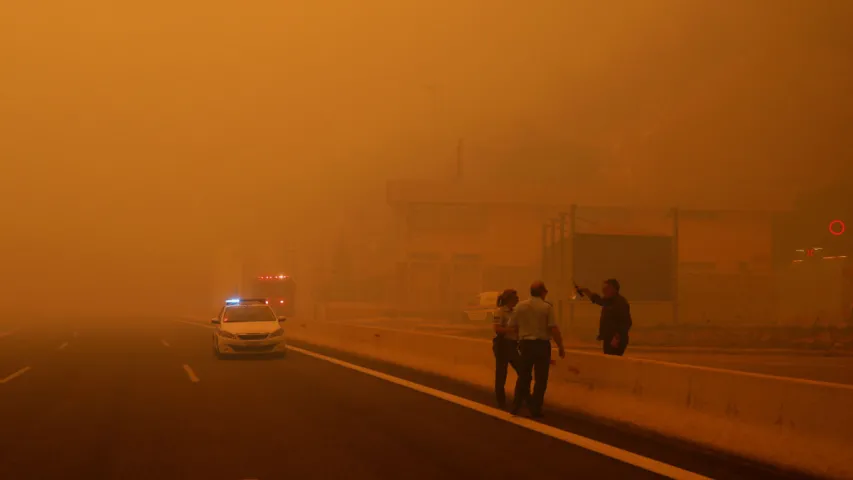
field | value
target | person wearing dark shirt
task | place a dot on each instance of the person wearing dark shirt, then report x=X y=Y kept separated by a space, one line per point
x=505 y=343
x=615 y=321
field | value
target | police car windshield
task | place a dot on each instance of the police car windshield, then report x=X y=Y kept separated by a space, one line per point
x=249 y=313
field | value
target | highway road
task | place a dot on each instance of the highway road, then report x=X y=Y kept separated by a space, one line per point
x=146 y=399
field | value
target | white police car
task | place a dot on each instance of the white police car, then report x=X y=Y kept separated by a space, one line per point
x=480 y=309
x=248 y=327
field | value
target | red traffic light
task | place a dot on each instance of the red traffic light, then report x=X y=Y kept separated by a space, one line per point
x=836 y=227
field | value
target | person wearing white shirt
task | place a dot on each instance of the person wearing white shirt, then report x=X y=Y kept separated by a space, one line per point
x=535 y=325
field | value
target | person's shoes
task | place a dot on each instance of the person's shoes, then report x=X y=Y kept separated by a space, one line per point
x=516 y=409
x=501 y=404
x=537 y=415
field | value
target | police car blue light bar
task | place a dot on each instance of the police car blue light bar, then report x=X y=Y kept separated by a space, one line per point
x=239 y=301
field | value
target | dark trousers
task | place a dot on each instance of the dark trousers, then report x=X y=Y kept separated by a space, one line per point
x=618 y=350
x=506 y=354
x=535 y=362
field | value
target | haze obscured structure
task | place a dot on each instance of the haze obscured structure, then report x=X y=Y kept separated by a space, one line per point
x=135 y=140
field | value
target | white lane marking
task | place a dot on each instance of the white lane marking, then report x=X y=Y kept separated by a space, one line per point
x=165 y=343
x=190 y=373
x=62 y=347
x=624 y=456
x=15 y=375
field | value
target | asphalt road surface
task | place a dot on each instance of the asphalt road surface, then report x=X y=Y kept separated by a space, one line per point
x=146 y=399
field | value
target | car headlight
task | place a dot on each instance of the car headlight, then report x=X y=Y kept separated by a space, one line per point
x=225 y=334
x=277 y=333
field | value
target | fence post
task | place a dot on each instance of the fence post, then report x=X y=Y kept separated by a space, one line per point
x=562 y=250
x=553 y=270
x=675 y=269
x=562 y=274
x=573 y=211
x=544 y=265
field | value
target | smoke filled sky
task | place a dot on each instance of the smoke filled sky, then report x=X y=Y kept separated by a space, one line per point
x=137 y=136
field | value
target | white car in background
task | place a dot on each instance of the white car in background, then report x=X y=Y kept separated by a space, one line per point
x=481 y=308
x=248 y=327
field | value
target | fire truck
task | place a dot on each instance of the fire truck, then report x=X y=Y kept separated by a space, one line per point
x=279 y=291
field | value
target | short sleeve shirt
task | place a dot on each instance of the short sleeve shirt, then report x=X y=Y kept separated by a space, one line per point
x=502 y=317
x=534 y=318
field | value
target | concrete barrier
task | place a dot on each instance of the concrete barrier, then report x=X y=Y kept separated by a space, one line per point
x=338 y=311
x=798 y=424
x=343 y=311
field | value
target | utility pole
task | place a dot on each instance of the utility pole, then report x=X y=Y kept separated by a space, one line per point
x=459 y=147
x=675 y=269
x=573 y=215
x=562 y=283
x=553 y=271
x=562 y=250
x=544 y=250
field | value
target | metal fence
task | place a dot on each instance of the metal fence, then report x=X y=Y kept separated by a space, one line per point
x=564 y=262
x=685 y=289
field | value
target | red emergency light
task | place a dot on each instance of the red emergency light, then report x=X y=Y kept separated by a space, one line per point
x=836 y=227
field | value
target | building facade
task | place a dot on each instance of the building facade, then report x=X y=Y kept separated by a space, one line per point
x=453 y=241
x=456 y=239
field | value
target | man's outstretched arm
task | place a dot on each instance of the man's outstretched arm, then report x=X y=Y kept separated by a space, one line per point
x=596 y=298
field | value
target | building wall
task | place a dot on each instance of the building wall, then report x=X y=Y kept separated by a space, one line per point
x=725 y=268
x=724 y=265
x=816 y=292
x=448 y=253
x=497 y=234
x=726 y=242
x=452 y=243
